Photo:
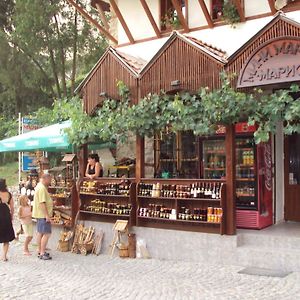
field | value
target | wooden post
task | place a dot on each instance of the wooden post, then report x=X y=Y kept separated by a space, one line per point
x=140 y=158
x=121 y=20
x=240 y=10
x=102 y=16
x=206 y=14
x=92 y=21
x=272 y=6
x=150 y=17
x=180 y=15
x=82 y=159
x=230 y=213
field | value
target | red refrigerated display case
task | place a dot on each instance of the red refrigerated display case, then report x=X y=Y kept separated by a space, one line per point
x=254 y=203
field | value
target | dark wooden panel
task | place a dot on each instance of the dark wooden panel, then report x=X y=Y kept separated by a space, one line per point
x=292 y=203
x=104 y=79
x=230 y=212
x=181 y=61
x=292 y=191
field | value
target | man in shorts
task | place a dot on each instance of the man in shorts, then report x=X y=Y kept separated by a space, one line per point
x=42 y=212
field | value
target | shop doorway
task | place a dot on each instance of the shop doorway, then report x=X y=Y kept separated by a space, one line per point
x=292 y=178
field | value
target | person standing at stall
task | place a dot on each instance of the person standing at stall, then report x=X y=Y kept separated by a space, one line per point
x=94 y=168
x=7 y=233
x=42 y=212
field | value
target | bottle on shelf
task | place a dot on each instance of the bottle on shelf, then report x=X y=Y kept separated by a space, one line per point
x=213 y=194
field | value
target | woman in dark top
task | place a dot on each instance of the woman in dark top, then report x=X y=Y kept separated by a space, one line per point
x=94 y=168
x=7 y=233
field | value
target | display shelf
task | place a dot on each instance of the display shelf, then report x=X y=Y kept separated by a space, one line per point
x=246 y=179
x=103 y=183
x=178 y=220
x=177 y=198
x=245 y=195
x=104 y=214
x=245 y=166
x=239 y=148
x=167 y=159
x=190 y=159
x=214 y=169
x=181 y=205
x=104 y=195
x=214 y=152
x=60 y=187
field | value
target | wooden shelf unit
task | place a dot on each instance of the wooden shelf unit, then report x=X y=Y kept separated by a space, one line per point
x=176 y=203
x=87 y=197
x=70 y=201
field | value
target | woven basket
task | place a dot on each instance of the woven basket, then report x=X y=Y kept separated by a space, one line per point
x=63 y=246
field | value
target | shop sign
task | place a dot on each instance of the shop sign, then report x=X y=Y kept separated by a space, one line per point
x=242 y=127
x=277 y=61
x=29 y=158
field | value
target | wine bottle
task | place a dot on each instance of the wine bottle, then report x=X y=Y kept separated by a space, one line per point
x=209 y=192
x=213 y=195
x=206 y=191
x=195 y=191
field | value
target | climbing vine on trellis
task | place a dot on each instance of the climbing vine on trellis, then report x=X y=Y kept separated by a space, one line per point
x=200 y=112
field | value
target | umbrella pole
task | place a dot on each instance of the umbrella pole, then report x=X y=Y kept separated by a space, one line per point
x=20 y=154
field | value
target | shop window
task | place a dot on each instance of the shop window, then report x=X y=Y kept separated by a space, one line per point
x=176 y=155
x=169 y=15
x=217 y=9
x=221 y=9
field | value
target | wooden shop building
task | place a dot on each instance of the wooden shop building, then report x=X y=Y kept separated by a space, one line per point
x=209 y=184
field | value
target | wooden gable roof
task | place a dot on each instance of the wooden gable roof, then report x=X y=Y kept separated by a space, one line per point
x=279 y=27
x=185 y=59
x=112 y=67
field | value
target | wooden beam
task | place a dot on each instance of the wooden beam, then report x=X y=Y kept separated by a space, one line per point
x=140 y=158
x=82 y=159
x=272 y=6
x=150 y=17
x=180 y=15
x=102 y=16
x=206 y=14
x=230 y=213
x=121 y=20
x=240 y=10
x=92 y=21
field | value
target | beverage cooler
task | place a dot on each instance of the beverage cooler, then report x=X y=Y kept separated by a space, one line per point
x=253 y=174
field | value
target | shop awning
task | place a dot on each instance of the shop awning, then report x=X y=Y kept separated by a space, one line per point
x=51 y=138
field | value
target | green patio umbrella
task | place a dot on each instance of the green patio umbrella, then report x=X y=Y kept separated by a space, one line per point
x=51 y=138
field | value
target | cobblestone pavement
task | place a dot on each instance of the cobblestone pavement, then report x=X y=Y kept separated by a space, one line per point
x=70 y=276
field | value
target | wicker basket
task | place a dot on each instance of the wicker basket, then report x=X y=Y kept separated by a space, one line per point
x=63 y=246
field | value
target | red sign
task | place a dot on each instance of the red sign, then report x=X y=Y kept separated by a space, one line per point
x=277 y=61
x=242 y=127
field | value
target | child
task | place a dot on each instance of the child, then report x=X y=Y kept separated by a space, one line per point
x=26 y=221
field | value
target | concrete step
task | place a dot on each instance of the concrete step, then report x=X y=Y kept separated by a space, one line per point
x=272 y=257
x=284 y=242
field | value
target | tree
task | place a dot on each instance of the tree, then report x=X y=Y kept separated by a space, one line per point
x=45 y=48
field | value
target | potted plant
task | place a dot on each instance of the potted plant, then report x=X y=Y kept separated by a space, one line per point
x=230 y=13
x=170 y=21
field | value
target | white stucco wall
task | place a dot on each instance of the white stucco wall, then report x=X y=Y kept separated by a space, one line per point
x=137 y=20
x=225 y=37
x=256 y=7
x=196 y=17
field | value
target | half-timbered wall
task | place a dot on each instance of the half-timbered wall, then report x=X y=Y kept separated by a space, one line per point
x=104 y=80
x=184 y=62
